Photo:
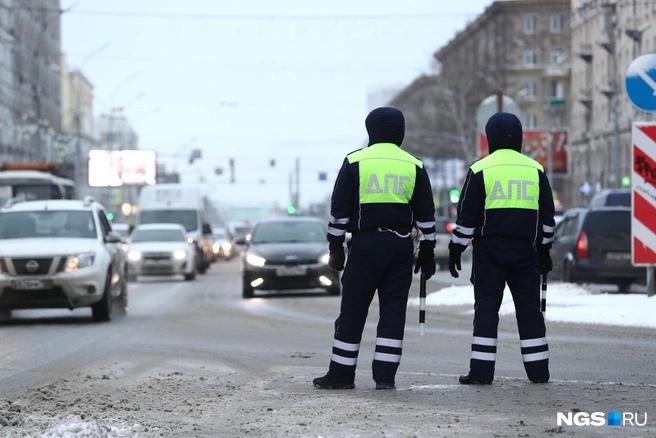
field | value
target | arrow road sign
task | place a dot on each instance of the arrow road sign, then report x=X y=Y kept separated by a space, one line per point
x=640 y=82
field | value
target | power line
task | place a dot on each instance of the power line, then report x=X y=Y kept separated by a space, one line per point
x=196 y=16
x=223 y=17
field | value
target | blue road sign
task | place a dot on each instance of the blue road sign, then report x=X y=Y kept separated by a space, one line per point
x=640 y=82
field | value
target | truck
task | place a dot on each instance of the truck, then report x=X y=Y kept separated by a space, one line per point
x=180 y=204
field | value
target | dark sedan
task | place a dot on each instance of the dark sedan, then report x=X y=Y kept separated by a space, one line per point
x=288 y=253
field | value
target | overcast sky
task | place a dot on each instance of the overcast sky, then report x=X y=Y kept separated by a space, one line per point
x=254 y=80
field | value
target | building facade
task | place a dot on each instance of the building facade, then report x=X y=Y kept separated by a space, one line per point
x=606 y=37
x=30 y=113
x=519 y=49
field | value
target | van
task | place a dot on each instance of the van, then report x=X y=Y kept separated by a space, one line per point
x=179 y=204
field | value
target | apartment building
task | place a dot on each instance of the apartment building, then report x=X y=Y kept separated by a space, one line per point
x=516 y=50
x=607 y=35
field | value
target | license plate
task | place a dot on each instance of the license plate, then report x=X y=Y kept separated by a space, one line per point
x=30 y=284
x=618 y=256
x=291 y=271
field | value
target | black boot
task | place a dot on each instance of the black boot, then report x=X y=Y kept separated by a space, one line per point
x=326 y=382
x=385 y=385
x=469 y=380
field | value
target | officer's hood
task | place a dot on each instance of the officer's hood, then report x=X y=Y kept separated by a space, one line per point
x=385 y=125
x=504 y=131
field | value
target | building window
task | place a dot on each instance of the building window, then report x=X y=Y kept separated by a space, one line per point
x=557 y=57
x=530 y=58
x=531 y=121
x=557 y=89
x=556 y=23
x=529 y=24
x=531 y=90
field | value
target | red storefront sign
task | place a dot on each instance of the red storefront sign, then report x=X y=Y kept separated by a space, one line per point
x=535 y=144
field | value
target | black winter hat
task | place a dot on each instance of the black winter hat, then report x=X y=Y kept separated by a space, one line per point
x=504 y=131
x=385 y=125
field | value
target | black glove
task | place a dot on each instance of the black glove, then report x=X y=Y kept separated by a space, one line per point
x=336 y=256
x=546 y=265
x=454 y=262
x=425 y=261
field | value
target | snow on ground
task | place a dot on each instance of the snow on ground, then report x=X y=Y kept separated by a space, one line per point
x=566 y=302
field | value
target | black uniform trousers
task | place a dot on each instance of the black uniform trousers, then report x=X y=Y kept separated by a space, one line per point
x=383 y=261
x=497 y=261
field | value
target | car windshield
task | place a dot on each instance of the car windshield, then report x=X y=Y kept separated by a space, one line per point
x=186 y=218
x=277 y=232
x=220 y=235
x=47 y=223
x=121 y=231
x=158 y=236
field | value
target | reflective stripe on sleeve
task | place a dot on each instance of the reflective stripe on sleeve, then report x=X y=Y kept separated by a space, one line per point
x=466 y=231
x=460 y=240
x=336 y=232
x=425 y=224
x=342 y=221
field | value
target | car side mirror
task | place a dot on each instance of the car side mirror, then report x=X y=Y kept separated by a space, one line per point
x=113 y=237
x=240 y=240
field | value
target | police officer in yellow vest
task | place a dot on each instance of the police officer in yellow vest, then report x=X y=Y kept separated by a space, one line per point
x=506 y=210
x=380 y=195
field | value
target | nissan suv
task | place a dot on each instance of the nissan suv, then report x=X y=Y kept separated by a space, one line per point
x=61 y=254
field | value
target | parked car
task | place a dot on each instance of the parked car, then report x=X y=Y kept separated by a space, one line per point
x=612 y=197
x=161 y=249
x=61 y=254
x=288 y=253
x=593 y=245
x=223 y=246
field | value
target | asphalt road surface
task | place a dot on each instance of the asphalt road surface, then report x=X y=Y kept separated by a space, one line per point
x=194 y=359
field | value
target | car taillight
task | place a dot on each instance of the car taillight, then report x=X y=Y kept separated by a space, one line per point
x=582 y=246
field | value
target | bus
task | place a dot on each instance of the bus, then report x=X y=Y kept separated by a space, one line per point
x=34 y=181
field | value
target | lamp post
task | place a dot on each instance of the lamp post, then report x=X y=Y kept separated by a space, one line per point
x=77 y=162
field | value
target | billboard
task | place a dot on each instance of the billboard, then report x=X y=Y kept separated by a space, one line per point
x=535 y=144
x=109 y=168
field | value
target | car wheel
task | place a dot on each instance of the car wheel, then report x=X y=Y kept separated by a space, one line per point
x=124 y=294
x=334 y=290
x=191 y=276
x=102 y=310
x=248 y=292
x=624 y=287
x=5 y=315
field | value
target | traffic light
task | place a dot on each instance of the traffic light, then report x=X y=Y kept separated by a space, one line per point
x=110 y=216
x=291 y=209
x=454 y=196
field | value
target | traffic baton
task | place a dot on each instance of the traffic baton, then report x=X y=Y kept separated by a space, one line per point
x=543 y=303
x=422 y=303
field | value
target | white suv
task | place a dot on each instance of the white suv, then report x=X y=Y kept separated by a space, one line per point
x=61 y=254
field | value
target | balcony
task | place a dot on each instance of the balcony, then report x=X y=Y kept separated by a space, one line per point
x=554 y=103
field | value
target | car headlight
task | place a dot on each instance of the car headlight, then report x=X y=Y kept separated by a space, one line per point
x=254 y=260
x=75 y=262
x=134 y=256
x=227 y=246
x=191 y=241
x=180 y=254
x=324 y=258
x=216 y=247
